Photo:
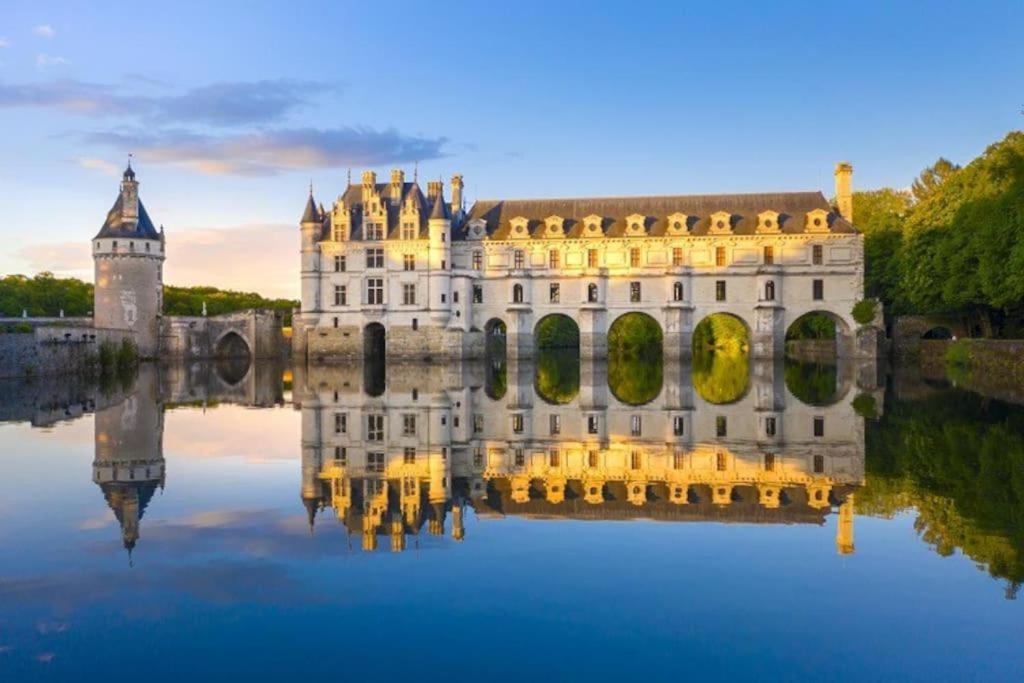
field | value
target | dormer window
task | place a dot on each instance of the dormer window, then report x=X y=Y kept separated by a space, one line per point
x=721 y=223
x=636 y=225
x=592 y=225
x=374 y=232
x=817 y=221
x=408 y=230
x=520 y=227
x=768 y=222
x=678 y=224
x=554 y=226
x=477 y=229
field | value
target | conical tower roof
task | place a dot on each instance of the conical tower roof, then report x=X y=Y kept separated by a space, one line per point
x=311 y=214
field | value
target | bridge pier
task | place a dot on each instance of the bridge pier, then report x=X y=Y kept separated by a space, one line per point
x=677 y=336
x=768 y=338
x=593 y=324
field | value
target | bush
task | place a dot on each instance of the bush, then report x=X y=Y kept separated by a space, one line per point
x=864 y=405
x=958 y=354
x=864 y=311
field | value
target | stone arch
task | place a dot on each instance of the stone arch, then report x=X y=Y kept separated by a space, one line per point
x=641 y=317
x=557 y=331
x=721 y=364
x=635 y=358
x=814 y=330
x=231 y=344
x=374 y=341
x=938 y=332
x=495 y=327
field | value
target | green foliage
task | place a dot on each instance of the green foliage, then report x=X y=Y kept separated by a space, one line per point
x=634 y=334
x=189 y=301
x=864 y=405
x=127 y=355
x=557 y=378
x=812 y=326
x=636 y=380
x=107 y=358
x=932 y=178
x=721 y=331
x=557 y=332
x=812 y=383
x=958 y=353
x=16 y=328
x=864 y=311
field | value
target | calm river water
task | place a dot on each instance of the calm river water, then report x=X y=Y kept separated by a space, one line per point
x=536 y=520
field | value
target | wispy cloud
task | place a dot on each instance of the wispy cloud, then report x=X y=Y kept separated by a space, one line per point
x=44 y=31
x=44 y=61
x=101 y=165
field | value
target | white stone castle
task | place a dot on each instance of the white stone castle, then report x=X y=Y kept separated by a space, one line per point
x=429 y=278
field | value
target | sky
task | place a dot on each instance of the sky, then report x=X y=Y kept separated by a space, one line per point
x=232 y=109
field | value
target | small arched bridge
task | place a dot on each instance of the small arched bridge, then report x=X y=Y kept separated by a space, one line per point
x=255 y=333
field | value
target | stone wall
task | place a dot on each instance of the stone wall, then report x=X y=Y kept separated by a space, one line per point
x=994 y=367
x=198 y=337
x=54 y=350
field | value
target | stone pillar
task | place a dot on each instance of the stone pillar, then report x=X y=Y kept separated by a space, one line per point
x=769 y=384
x=593 y=319
x=519 y=342
x=769 y=333
x=677 y=337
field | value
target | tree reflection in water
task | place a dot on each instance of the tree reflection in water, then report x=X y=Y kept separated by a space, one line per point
x=635 y=363
x=721 y=359
x=557 y=378
x=815 y=384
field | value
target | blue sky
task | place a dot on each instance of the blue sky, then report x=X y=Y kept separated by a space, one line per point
x=231 y=108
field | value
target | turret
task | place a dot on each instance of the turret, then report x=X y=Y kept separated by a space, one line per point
x=311 y=225
x=844 y=189
x=440 y=258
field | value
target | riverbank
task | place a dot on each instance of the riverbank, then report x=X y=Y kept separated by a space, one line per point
x=990 y=367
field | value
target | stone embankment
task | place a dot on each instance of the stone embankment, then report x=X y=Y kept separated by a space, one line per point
x=54 y=350
x=991 y=367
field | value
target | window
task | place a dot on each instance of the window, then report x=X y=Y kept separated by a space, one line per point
x=517 y=294
x=719 y=290
x=415 y=326
x=517 y=423
x=478 y=294
x=415 y=392
x=478 y=423
x=769 y=426
x=592 y=459
x=375 y=462
x=634 y=291
x=147 y=246
x=409 y=424
x=719 y=256
x=819 y=464
x=455 y=297
x=721 y=426
x=592 y=424
x=816 y=254
x=553 y=294
x=408 y=261
x=769 y=462
x=591 y=258
x=375 y=290
x=409 y=456
x=769 y=291
x=517 y=259
x=819 y=426
x=478 y=260
x=553 y=458
x=635 y=426
x=720 y=462
x=678 y=460
x=677 y=256
x=341 y=455
x=374 y=232
x=335 y=322
x=769 y=256
x=678 y=425
x=818 y=290
x=677 y=291
x=635 y=460
x=634 y=258
x=408 y=294
x=555 y=424
x=444 y=298
x=444 y=264
x=455 y=421
x=408 y=231
x=374 y=427
x=340 y=423
x=592 y=293
x=374 y=258
x=478 y=457
x=340 y=295
x=339 y=263
x=554 y=259
x=520 y=460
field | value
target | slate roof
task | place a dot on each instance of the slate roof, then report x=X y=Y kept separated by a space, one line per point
x=353 y=198
x=115 y=227
x=744 y=208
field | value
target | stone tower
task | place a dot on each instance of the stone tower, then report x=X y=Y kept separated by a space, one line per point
x=128 y=254
x=844 y=189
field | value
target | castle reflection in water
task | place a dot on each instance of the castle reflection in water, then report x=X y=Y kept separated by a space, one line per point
x=388 y=456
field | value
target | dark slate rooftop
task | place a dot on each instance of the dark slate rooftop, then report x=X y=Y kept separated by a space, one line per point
x=744 y=208
x=115 y=227
x=353 y=198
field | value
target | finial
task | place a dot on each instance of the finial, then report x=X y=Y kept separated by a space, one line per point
x=310 y=187
x=130 y=155
x=349 y=182
x=415 y=171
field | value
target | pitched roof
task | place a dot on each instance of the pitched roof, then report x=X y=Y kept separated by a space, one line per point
x=744 y=208
x=115 y=226
x=392 y=203
x=440 y=209
x=311 y=214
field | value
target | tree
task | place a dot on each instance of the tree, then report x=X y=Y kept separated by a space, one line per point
x=932 y=178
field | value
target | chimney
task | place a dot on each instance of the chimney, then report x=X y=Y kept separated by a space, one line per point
x=844 y=189
x=397 y=184
x=369 y=185
x=433 y=189
x=457 y=194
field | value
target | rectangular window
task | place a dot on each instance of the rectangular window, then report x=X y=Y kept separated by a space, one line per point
x=478 y=294
x=517 y=423
x=517 y=259
x=375 y=290
x=335 y=321
x=553 y=293
x=819 y=464
x=374 y=427
x=375 y=462
x=409 y=456
x=818 y=290
x=592 y=293
x=591 y=258
x=415 y=326
x=409 y=424
x=635 y=426
x=635 y=460
x=444 y=298
x=677 y=256
x=592 y=424
x=520 y=458
x=634 y=258
x=409 y=294
x=478 y=260
x=554 y=259
x=678 y=425
x=375 y=258
x=341 y=455
x=819 y=426
x=592 y=459
x=478 y=423
x=816 y=254
x=478 y=457
x=769 y=426
x=720 y=462
x=374 y=232
x=719 y=290
x=340 y=295
x=719 y=256
x=455 y=297
x=721 y=426
x=408 y=231
x=769 y=256
x=553 y=458
x=408 y=261
x=769 y=462
x=339 y=263
x=678 y=460
x=634 y=291
x=555 y=424
x=340 y=423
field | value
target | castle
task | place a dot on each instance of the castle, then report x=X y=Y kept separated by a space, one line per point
x=388 y=266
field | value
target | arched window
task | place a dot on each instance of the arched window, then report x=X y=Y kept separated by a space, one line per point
x=769 y=291
x=592 y=293
x=677 y=291
x=517 y=294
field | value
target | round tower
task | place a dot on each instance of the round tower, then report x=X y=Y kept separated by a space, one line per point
x=128 y=253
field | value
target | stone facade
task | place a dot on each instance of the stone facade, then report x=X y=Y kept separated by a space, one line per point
x=386 y=254
x=55 y=349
